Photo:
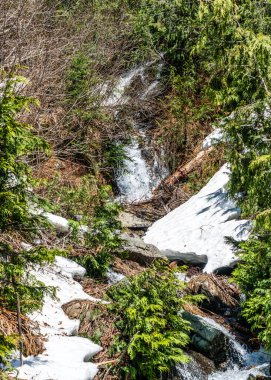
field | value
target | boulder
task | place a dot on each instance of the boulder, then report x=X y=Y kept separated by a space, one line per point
x=207 y=339
x=132 y=222
x=198 y=367
x=187 y=258
x=139 y=251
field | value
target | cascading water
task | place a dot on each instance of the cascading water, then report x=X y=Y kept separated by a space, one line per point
x=135 y=181
x=240 y=365
x=138 y=176
x=242 y=362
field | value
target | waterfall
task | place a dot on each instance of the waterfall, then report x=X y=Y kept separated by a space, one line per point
x=134 y=181
x=236 y=373
x=242 y=362
x=138 y=176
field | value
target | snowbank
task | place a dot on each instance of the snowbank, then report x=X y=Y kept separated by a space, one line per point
x=61 y=224
x=213 y=138
x=65 y=357
x=200 y=225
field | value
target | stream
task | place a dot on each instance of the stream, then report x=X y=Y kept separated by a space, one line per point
x=135 y=181
x=142 y=170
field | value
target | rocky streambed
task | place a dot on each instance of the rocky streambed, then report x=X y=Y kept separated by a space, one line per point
x=195 y=234
x=222 y=346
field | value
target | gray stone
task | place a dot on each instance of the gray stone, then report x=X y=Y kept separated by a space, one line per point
x=139 y=251
x=207 y=339
x=132 y=222
x=187 y=258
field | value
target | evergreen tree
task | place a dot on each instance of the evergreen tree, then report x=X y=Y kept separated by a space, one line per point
x=19 y=290
x=152 y=331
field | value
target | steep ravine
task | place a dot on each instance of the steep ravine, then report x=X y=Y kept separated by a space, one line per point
x=193 y=233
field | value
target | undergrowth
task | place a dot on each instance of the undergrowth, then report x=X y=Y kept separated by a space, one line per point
x=152 y=332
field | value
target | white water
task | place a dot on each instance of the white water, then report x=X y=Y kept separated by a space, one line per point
x=117 y=96
x=236 y=350
x=138 y=177
x=242 y=362
x=236 y=373
x=135 y=180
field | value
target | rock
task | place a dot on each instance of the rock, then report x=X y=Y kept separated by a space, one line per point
x=192 y=368
x=207 y=365
x=187 y=258
x=213 y=138
x=139 y=251
x=132 y=222
x=198 y=367
x=207 y=339
x=258 y=377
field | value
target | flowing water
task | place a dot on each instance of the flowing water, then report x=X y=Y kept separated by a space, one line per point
x=135 y=181
x=241 y=361
x=139 y=175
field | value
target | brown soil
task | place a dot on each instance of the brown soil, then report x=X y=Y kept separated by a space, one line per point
x=97 y=289
x=32 y=340
x=127 y=267
x=98 y=324
x=69 y=172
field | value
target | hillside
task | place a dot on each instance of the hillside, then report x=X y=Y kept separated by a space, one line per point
x=135 y=190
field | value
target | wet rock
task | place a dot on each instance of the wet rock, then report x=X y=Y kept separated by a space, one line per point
x=139 y=251
x=206 y=364
x=132 y=222
x=198 y=368
x=258 y=377
x=187 y=371
x=207 y=339
x=187 y=258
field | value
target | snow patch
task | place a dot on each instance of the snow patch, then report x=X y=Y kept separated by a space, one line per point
x=213 y=138
x=201 y=225
x=114 y=277
x=65 y=357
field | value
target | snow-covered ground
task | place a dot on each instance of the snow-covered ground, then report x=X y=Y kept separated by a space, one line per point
x=213 y=138
x=200 y=225
x=66 y=357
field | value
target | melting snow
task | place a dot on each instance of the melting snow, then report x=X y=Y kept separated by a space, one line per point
x=65 y=357
x=201 y=224
x=213 y=138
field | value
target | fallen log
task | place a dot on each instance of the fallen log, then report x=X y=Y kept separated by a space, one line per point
x=184 y=170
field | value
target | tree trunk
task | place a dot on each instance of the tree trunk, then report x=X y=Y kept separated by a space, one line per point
x=184 y=170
